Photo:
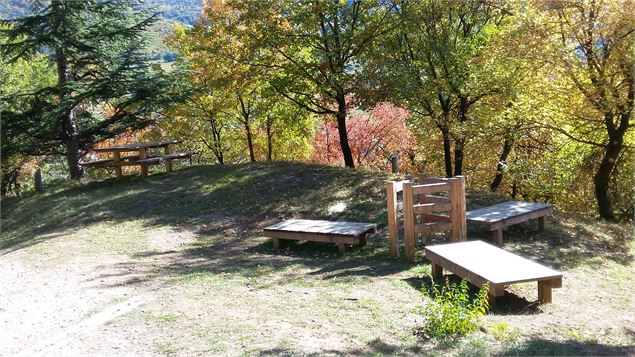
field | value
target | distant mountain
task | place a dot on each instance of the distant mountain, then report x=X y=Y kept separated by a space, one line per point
x=183 y=11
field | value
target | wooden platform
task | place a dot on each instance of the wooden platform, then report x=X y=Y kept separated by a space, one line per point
x=340 y=233
x=506 y=214
x=479 y=262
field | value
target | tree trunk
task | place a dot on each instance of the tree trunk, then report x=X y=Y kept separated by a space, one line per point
x=69 y=126
x=458 y=156
x=502 y=162
x=603 y=176
x=217 y=146
x=447 y=150
x=269 y=131
x=250 y=143
x=246 y=112
x=341 y=128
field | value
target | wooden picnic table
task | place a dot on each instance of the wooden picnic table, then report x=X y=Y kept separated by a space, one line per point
x=479 y=262
x=141 y=159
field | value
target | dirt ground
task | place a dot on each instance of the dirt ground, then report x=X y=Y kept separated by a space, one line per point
x=220 y=289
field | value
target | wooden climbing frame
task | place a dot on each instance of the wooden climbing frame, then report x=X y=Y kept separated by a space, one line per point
x=421 y=208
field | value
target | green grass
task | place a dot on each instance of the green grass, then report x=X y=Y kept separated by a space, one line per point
x=193 y=240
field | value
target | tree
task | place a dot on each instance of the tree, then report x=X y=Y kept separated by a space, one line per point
x=593 y=47
x=438 y=63
x=97 y=50
x=375 y=135
x=236 y=91
x=316 y=51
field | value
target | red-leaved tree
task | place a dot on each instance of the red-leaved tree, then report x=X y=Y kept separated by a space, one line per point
x=374 y=135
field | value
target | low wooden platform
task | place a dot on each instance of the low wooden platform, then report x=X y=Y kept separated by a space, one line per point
x=506 y=214
x=479 y=262
x=340 y=233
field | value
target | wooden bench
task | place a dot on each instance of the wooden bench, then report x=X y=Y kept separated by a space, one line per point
x=167 y=159
x=506 y=214
x=479 y=262
x=340 y=233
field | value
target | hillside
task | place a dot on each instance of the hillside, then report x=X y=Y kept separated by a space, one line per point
x=176 y=264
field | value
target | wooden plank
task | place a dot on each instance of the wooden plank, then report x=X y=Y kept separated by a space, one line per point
x=434 y=199
x=491 y=263
x=431 y=207
x=137 y=146
x=521 y=218
x=323 y=227
x=312 y=237
x=430 y=188
x=436 y=218
x=505 y=210
x=409 y=222
x=432 y=227
x=393 y=214
x=96 y=162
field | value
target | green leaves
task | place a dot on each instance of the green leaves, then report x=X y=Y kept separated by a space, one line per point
x=451 y=312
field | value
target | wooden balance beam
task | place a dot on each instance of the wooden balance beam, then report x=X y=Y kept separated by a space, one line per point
x=497 y=217
x=479 y=262
x=340 y=233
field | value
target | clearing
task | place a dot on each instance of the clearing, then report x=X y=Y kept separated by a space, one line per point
x=177 y=264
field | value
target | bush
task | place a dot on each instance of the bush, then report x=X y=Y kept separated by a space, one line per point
x=452 y=312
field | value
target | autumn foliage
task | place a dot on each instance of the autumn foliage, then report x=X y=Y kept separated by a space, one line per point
x=374 y=135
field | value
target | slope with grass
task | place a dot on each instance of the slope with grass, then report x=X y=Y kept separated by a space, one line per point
x=176 y=264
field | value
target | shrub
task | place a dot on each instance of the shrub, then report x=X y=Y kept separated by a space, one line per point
x=452 y=312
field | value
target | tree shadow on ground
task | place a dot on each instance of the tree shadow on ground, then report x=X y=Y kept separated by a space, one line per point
x=542 y=347
x=569 y=243
x=375 y=347
x=193 y=196
x=254 y=257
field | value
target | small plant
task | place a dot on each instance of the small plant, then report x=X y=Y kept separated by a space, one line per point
x=452 y=312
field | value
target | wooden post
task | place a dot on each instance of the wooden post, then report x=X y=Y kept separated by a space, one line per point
x=393 y=219
x=457 y=214
x=409 y=221
x=117 y=159
x=276 y=243
x=394 y=162
x=168 y=163
x=437 y=270
x=143 y=154
x=544 y=291
x=542 y=223
x=341 y=247
x=37 y=178
x=497 y=236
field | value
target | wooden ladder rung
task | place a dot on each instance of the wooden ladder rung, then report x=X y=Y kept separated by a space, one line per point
x=433 y=227
x=431 y=188
x=432 y=207
x=428 y=217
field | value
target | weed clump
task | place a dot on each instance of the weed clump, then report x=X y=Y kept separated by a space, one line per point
x=452 y=312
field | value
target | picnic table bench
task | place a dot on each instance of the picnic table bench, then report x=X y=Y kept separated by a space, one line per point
x=340 y=233
x=479 y=262
x=141 y=158
x=506 y=214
